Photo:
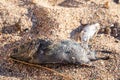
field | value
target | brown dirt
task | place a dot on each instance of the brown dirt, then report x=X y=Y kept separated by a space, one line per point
x=21 y=21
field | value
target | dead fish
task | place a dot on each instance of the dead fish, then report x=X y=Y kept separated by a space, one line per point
x=63 y=52
x=66 y=51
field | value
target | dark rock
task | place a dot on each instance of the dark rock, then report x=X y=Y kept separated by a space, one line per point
x=116 y=1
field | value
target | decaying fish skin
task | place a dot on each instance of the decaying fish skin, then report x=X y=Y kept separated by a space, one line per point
x=26 y=50
x=88 y=32
x=66 y=51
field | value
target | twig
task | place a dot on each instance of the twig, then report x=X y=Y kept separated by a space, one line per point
x=39 y=66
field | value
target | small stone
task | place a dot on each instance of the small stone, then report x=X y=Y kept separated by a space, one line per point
x=106 y=5
x=84 y=22
x=102 y=62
